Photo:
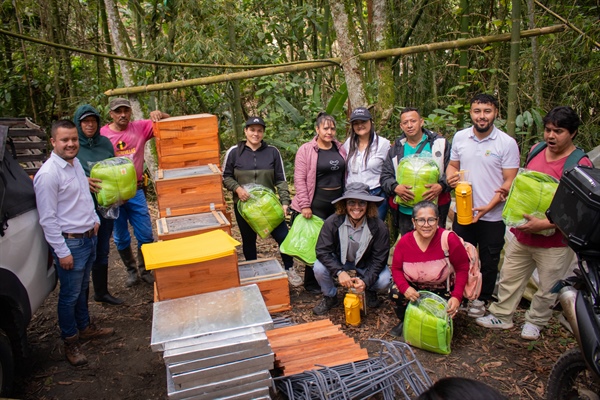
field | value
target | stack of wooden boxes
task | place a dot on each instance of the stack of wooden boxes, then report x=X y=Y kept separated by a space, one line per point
x=189 y=182
x=189 y=188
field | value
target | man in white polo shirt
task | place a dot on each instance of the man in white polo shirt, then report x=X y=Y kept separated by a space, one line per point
x=491 y=158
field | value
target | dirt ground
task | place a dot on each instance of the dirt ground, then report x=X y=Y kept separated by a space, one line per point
x=124 y=367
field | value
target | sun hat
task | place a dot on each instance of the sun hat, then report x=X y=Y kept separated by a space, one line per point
x=118 y=102
x=358 y=191
x=360 y=114
x=255 y=121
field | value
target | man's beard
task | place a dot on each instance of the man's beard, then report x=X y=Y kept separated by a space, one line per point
x=484 y=129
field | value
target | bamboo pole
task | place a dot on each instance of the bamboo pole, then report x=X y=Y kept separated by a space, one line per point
x=373 y=55
x=513 y=78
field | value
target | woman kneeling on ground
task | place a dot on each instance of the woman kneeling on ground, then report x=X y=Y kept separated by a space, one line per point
x=419 y=263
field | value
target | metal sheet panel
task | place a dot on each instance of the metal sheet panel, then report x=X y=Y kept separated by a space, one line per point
x=195 y=364
x=208 y=313
x=204 y=376
x=214 y=349
x=228 y=387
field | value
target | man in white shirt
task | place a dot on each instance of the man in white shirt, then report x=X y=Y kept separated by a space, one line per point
x=70 y=225
x=491 y=158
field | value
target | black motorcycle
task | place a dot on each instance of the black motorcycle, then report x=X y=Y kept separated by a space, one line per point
x=575 y=210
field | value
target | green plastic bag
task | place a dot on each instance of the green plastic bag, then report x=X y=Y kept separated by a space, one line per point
x=262 y=211
x=119 y=180
x=427 y=325
x=301 y=240
x=416 y=170
x=531 y=193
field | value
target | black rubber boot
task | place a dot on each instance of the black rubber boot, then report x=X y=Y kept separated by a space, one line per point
x=100 y=281
x=145 y=274
x=129 y=261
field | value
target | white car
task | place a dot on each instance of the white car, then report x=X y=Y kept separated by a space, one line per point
x=27 y=273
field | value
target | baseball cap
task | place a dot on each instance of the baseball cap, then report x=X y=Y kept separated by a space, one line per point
x=255 y=121
x=118 y=102
x=360 y=114
x=88 y=114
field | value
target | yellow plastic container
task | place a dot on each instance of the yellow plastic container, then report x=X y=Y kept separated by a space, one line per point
x=352 y=306
x=464 y=201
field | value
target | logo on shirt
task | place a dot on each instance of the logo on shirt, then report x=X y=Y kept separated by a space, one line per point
x=335 y=164
x=121 y=145
x=489 y=153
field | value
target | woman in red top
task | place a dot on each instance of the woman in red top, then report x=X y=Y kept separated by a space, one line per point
x=419 y=263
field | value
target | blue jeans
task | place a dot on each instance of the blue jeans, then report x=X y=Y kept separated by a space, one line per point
x=328 y=285
x=382 y=209
x=135 y=211
x=73 y=315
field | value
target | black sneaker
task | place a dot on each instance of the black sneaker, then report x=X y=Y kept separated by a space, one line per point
x=326 y=304
x=397 y=330
x=372 y=300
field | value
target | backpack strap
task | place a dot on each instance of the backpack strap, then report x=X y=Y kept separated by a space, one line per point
x=421 y=146
x=537 y=149
x=572 y=160
x=446 y=250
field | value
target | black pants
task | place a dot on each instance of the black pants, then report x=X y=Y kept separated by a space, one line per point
x=249 y=239
x=489 y=239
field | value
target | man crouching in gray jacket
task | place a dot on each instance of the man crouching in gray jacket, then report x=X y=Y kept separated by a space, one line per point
x=353 y=238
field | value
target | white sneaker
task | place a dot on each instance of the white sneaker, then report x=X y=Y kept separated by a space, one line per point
x=294 y=278
x=530 y=332
x=476 y=309
x=490 y=321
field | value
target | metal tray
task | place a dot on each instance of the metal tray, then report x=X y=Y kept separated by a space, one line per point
x=208 y=313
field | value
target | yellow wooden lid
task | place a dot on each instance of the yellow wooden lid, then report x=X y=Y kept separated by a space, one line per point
x=189 y=250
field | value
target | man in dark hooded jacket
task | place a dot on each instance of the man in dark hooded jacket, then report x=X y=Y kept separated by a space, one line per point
x=93 y=148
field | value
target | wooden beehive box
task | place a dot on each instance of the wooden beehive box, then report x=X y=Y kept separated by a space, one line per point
x=186 y=225
x=271 y=279
x=196 y=278
x=194 y=190
x=193 y=265
x=187 y=141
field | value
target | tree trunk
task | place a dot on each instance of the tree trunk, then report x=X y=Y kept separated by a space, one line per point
x=535 y=56
x=385 y=93
x=350 y=62
x=127 y=74
x=106 y=35
x=236 y=104
x=513 y=78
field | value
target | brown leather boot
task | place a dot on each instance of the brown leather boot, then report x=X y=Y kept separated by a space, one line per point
x=93 y=332
x=73 y=351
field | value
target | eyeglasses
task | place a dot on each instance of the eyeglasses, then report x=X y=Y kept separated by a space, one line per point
x=354 y=203
x=423 y=221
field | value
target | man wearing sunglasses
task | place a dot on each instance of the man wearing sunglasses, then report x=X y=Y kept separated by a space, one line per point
x=354 y=238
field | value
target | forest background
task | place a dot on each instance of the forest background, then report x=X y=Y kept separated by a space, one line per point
x=181 y=40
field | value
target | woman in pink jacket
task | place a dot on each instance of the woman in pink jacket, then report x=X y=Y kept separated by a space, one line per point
x=319 y=173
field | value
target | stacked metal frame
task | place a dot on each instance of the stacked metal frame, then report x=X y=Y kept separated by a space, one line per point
x=393 y=371
x=215 y=344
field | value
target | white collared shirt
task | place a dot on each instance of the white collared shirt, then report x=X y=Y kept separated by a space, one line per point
x=64 y=201
x=484 y=159
x=369 y=174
